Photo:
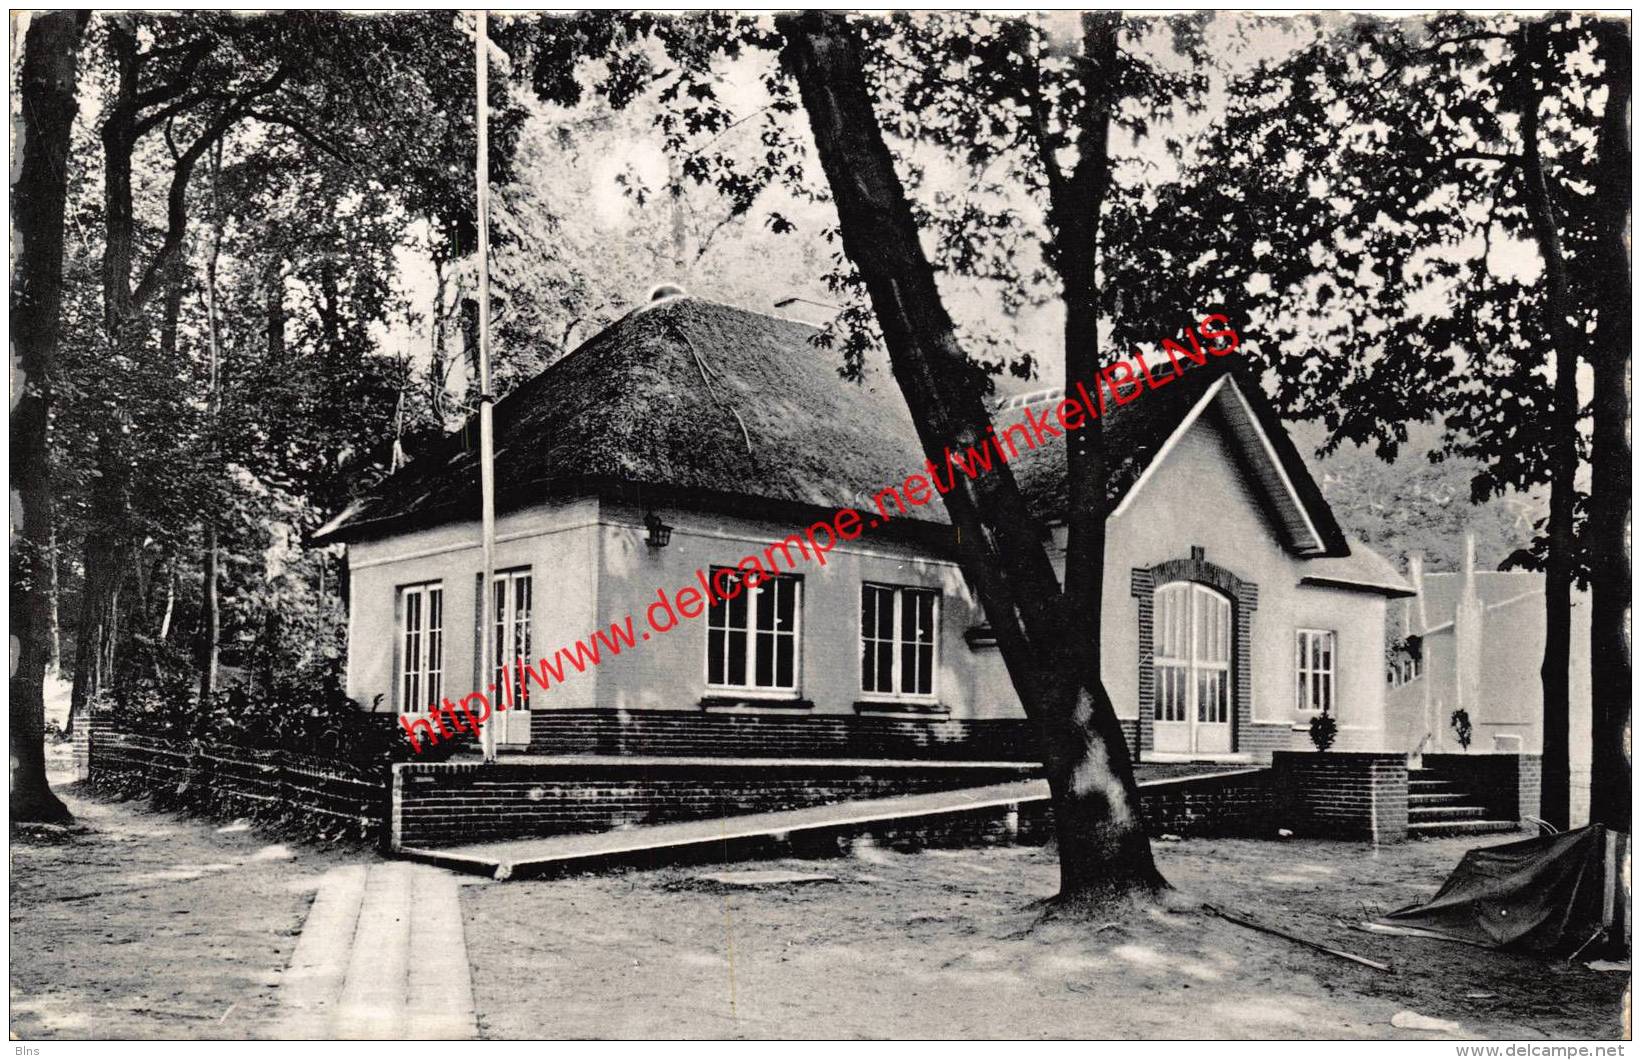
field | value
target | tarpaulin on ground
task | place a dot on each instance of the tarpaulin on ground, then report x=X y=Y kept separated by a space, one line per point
x=1549 y=895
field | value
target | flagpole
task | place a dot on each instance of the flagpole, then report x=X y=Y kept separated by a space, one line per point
x=487 y=440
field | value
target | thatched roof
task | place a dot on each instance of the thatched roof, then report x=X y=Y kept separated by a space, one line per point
x=707 y=403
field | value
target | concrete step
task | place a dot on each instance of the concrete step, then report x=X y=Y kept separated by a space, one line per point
x=1436 y=829
x=1429 y=784
x=1426 y=814
x=1436 y=798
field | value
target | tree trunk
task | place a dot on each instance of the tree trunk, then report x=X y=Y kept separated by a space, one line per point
x=164 y=634
x=54 y=626
x=1103 y=847
x=437 y=368
x=104 y=564
x=1608 y=528
x=39 y=192
x=1532 y=69
x=210 y=619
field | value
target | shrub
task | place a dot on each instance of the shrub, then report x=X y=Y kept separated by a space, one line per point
x=1461 y=728
x=1324 y=730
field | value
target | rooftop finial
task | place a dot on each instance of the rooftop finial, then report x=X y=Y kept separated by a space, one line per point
x=664 y=291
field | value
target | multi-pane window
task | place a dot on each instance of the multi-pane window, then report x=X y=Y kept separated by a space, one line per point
x=897 y=640
x=1316 y=671
x=421 y=646
x=752 y=639
x=1191 y=652
x=510 y=632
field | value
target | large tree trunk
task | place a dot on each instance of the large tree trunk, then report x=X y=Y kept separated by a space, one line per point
x=1608 y=528
x=1103 y=847
x=39 y=192
x=1532 y=69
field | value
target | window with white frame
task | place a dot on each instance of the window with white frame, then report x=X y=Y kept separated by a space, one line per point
x=421 y=646
x=1316 y=668
x=752 y=638
x=510 y=604
x=897 y=641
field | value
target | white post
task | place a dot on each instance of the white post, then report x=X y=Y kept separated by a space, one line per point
x=487 y=440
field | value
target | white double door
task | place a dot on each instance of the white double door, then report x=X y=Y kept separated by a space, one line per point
x=1191 y=648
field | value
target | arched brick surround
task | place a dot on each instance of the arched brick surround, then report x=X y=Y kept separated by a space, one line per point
x=1244 y=598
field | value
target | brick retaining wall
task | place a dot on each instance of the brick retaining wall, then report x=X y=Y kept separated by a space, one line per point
x=454 y=803
x=1341 y=794
x=447 y=803
x=701 y=733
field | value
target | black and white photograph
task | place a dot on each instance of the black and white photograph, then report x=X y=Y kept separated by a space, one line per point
x=807 y=525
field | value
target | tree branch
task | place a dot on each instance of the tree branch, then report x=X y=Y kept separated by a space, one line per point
x=297 y=126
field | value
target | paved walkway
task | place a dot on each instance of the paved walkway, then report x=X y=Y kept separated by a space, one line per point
x=382 y=955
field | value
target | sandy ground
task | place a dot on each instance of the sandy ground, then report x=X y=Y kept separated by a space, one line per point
x=138 y=924
x=942 y=944
x=143 y=924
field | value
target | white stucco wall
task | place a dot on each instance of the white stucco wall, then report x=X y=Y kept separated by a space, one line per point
x=592 y=567
x=669 y=670
x=557 y=541
x=1198 y=496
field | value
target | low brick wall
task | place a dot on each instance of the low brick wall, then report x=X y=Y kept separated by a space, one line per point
x=322 y=797
x=1232 y=804
x=699 y=733
x=1506 y=784
x=444 y=803
x=1341 y=794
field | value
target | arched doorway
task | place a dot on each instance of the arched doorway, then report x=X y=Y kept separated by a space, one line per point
x=1191 y=652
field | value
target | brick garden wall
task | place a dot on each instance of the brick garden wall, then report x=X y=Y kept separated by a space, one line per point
x=1234 y=804
x=447 y=803
x=1341 y=794
x=459 y=802
x=696 y=733
x=322 y=797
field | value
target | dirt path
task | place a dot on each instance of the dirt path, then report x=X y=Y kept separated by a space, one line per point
x=149 y=925
x=935 y=945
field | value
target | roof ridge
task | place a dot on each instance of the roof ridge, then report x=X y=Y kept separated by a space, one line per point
x=687 y=297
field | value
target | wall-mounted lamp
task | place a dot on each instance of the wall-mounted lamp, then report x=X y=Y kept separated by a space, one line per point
x=656 y=533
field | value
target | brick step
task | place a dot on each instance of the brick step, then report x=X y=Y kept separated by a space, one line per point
x=1427 y=814
x=1437 y=829
x=1416 y=799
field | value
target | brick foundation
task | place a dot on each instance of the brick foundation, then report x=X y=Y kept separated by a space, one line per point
x=698 y=734
x=1341 y=794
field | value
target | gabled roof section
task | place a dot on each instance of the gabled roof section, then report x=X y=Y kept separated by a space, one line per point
x=1140 y=435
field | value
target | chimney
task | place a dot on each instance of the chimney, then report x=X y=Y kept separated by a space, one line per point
x=1413 y=615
